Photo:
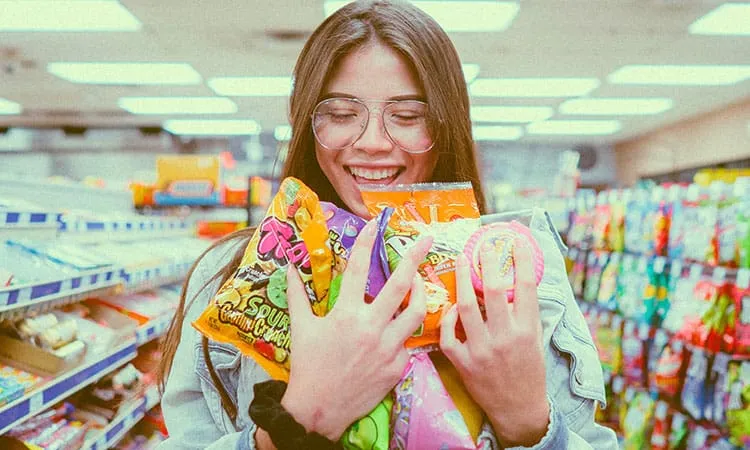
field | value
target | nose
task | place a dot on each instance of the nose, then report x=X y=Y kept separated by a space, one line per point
x=374 y=138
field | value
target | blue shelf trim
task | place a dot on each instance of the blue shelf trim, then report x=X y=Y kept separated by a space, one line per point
x=25 y=295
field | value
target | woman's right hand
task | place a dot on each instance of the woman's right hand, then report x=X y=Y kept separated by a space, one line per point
x=345 y=363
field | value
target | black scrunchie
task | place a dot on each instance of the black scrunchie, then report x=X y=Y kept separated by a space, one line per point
x=285 y=432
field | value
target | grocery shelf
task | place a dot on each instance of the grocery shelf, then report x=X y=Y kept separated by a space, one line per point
x=125 y=420
x=92 y=231
x=144 y=278
x=61 y=387
x=29 y=224
x=152 y=329
x=23 y=299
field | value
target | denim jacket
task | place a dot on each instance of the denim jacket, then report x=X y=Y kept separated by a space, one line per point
x=195 y=418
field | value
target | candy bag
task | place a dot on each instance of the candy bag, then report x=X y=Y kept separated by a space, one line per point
x=372 y=431
x=693 y=397
x=449 y=214
x=678 y=431
x=668 y=375
x=250 y=309
x=578 y=273
x=343 y=229
x=742 y=313
x=631 y=285
x=637 y=425
x=635 y=223
x=609 y=342
x=596 y=263
x=424 y=415
x=633 y=353
x=607 y=295
x=660 y=433
x=602 y=223
x=738 y=406
x=617 y=226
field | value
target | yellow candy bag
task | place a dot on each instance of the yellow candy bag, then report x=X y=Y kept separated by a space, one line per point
x=250 y=310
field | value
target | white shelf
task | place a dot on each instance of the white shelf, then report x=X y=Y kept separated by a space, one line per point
x=63 y=386
x=125 y=420
x=153 y=329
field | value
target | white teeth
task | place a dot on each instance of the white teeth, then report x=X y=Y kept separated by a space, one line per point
x=373 y=174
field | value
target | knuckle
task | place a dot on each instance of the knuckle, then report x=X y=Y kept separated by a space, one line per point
x=527 y=284
x=481 y=356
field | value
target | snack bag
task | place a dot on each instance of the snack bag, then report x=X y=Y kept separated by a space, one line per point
x=250 y=309
x=372 y=431
x=635 y=223
x=578 y=274
x=446 y=212
x=607 y=295
x=660 y=433
x=633 y=353
x=343 y=229
x=424 y=415
x=738 y=404
x=617 y=226
x=678 y=431
x=609 y=342
x=602 y=224
x=742 y=313
x=743 y=236
x=693 y=395
x=637 y=425
x=631 y=285
x=668 y=375
x=596 y=263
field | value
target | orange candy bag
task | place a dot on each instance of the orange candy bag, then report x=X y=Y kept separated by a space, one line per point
x=250 y=309
x=446 y=211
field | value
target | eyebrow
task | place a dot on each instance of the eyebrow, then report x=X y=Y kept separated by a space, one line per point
x=330 y=95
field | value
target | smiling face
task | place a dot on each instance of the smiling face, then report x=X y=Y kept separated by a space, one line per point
x=374 y=71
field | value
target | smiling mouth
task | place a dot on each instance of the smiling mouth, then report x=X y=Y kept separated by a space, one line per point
x=381 y=176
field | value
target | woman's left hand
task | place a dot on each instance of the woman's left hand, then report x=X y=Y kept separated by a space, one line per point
x=502 y=361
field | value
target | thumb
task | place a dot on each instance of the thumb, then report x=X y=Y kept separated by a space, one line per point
x=296 y=295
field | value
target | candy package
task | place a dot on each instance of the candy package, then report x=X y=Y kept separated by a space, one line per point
x=635 y=226
x=424 y=415
x=637 y=425
x=741 y=294
x=450 y=216
x=660 y=433
x=595 y=266
x=693 y=396
x=633 y=353
x=607 y=295
x=250 y=309
x=631 y=285
x=578 y=273
x=609 y=342
x=602 y=223
x=738 y=404
x=655 y=303
x=616 y=235
x=669 y=372
x=343 y=229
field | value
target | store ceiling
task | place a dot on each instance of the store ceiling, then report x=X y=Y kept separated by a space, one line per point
x=548 y=38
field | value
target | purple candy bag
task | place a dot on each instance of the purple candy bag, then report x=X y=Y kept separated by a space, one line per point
x=379 y=269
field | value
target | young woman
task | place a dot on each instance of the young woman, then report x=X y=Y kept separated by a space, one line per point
x=379 y=98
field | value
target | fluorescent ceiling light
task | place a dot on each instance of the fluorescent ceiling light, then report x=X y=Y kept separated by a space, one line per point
x=496 y=133
x=282 y=133
x=574 y=127
x=470 y=72
x=59 y=15
x=615 y=106
x=177 y=105
x=727 y=19
x=251 y=86
x=458 y=16
x=685 y=75
x=212 y=127
x=9 y=107
x=126 y=73
x=533 y=87
x=511 y=114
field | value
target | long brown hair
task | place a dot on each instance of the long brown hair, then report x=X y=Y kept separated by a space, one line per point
x=416 y=36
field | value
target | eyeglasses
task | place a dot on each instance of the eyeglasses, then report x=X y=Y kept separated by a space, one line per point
x=340 y=122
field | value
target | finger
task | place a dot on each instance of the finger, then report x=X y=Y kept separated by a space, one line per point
x=400 y=281
x=299 y=304
x=526 y=303
x=495 y=296
x=453 y=349
x=468 y=308
x=412 y=317
x=358 y=267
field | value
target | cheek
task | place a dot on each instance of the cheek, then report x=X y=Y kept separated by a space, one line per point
x=326 y=161
x=423 y=166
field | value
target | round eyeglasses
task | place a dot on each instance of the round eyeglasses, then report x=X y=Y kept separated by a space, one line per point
x=339 y=122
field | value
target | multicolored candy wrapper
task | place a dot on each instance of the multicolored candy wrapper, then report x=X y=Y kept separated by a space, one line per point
x=447 y=212
x=424 y=416
x=503 y=238
x=250 y=309
x=371 y=432
x=343 y=229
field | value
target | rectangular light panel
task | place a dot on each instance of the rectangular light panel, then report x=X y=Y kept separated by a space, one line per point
x=511 y=114
x=533 y=87
x=177 y=105
x=496 y=133
x=212 y=127
x=251 y=86
x=459 y=16
x=680 y=75
x=574 y=127
x=282 y=133
x=729 y=19
x=470 y=72
x=615 y=106
x=8 y=107
x=126 y=73
x=66 y=15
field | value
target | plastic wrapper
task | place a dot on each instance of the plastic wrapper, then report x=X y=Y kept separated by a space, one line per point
x=343 y=229
x=424 y=415
x=250 y=309
x=371 y=432
x=633 y=353
x=594 y=268
x=607 y=295
x=668 y=375
x=609 y=342
x=693 y=397
x=637 y=424
x=447 y=212
x=742 y=313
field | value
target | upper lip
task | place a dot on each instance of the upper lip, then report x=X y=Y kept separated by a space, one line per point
x=375 y=166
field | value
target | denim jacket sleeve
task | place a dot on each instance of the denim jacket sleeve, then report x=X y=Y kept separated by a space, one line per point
x=193 y=416
x=575 y=384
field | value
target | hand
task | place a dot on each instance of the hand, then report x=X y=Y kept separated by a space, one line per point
x=502 y=360
x=345 y=363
